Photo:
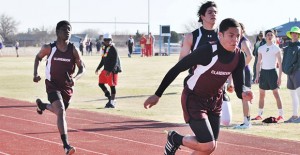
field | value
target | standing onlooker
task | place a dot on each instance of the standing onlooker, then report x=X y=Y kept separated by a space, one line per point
x=109 y=75
x=1 y=46
x=143 y=41
x=202 y=99
x=91 y=48
x=259 y=42
x=245 y=46
x=268 y=56
x=81 y=46
x=98 y=46
x=149 y=45
x=291 y=67
x=87 y=46
x=62 y=57
x=17 y=48
x=130 y=43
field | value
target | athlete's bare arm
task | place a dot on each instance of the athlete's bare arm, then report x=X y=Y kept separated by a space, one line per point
x=246 y=47
x=45 y=50
x=186 y=46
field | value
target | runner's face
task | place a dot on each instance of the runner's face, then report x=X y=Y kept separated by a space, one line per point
x=230 y=38
x=210 y=15
x=64 y=32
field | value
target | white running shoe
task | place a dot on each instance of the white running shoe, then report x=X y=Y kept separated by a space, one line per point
x=243 y=126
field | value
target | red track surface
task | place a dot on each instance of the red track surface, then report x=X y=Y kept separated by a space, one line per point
x=23 y=131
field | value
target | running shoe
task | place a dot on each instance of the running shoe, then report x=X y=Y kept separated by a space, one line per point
x=297 y=120
x=171 y=147
x=40 y=106
x=280 y=119
x=110 y=104
x=292 y=119
x=256 y=118
x=243 y=126
x=69 y=149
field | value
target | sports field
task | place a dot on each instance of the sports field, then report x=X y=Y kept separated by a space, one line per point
x=139 y=79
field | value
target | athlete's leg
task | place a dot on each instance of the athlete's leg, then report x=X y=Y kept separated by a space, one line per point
x=278 y=99
x=113 y=92
x=106 y=92
x=57 y=106
x=261 y=102
x=204 y=140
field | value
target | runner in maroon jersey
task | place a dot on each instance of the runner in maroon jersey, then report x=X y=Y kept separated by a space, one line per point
x=202 y=96
x=62 y=58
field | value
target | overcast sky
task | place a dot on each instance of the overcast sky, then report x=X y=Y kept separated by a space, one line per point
x=255 y=14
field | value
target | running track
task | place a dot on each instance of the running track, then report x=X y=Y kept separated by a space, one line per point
x=24 y=132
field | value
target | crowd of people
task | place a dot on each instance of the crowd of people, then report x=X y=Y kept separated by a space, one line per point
x=210 y=53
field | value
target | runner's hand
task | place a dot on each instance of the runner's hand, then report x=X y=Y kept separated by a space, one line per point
x=151 y=101
x=36 y=79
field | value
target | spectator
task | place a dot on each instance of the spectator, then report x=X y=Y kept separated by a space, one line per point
x=143 y=45
x=149 y=45
x=17 y=48
x=130 y=43
x=1 y=46
x=81 y=46
x=260 y=40
x=291 y=67
x=109 y=75
x=268 y=56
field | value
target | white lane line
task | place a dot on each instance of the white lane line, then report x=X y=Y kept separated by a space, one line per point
x=4 y=153
x=111 y=124
x=157 y=132
x=90 y=132
x=255 y=148
x=78 y=148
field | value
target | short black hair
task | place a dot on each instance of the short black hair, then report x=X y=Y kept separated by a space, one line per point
x=268 y=32
x=227 y=23
x=61 y=24
x=204 y=7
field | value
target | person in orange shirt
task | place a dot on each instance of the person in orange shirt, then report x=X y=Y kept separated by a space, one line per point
x=143 y=45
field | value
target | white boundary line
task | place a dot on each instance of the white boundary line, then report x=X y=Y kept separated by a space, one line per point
x=262 y=149
x=111 y=124
x=4 y=153
x=104 y=135
x=14 y=133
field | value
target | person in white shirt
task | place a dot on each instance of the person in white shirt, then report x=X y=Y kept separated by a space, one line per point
x=268 y=56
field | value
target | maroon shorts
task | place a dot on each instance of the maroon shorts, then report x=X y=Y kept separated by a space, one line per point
x=111 y=79
x=196 y=107
x=64 y=92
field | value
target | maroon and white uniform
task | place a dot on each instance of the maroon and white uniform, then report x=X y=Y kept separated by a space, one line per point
x=58 y=63
x=202 y=96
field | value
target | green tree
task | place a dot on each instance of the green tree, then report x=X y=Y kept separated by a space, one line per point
x=174 y=37
x=137 y=36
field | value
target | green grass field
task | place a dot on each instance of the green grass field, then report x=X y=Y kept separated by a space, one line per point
x=139 y=79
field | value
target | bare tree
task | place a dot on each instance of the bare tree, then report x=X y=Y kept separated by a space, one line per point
x=92 y=33
x=8 y=27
